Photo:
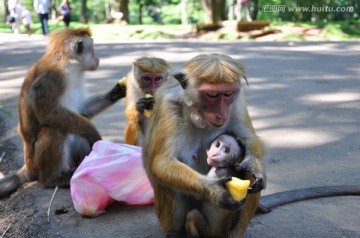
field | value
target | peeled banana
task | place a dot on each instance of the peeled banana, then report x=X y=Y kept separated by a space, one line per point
x=238 y=188
x=147 y=113
x=122 y=81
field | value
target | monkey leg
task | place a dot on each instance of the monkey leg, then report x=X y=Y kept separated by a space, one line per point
x=197 y=226
x=132 y=128
x=210 y=221
x=49 y=157
x=131 y=133
x=171 y=209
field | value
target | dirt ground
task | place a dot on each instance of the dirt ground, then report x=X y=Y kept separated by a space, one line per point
x=304 y=99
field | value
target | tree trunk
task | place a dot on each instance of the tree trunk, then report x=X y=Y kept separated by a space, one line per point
x=83 y=12
x=124 y=8
x=140 y=13
x=6 y=8
x=256 y=9
x=214 y=11
x=184 y=14
x=231 y=11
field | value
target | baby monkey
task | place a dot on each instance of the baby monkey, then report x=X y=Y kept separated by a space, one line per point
x=224 y=154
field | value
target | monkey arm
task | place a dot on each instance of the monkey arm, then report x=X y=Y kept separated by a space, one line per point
x=180 y=177
x=98 y=103
x=254 y=149
x=77 y=124
x=44 y=100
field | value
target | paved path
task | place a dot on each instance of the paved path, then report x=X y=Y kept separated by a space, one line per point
x=304 y=99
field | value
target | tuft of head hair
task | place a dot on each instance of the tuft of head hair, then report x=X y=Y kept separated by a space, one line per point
x=152 y=64
x=58 y=42
x=215 y=68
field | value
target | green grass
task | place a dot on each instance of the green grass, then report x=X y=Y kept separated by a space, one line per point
x=338 y=31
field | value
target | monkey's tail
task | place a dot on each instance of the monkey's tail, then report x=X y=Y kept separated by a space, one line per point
x=268 y=202
x=11 y=182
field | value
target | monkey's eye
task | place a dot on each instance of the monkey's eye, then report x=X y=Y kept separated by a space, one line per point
x=147 y=78
x=79 y=47
x=217 y=144
x=212 y=95
x=158 y=78
x=229 y=94
x=226 y=150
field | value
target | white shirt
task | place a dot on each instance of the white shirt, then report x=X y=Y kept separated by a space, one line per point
x=42 y=6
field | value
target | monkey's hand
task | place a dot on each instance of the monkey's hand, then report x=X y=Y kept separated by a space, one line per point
x=117 y=92
x=253 y=166
x=146 y=103
x=225 y=198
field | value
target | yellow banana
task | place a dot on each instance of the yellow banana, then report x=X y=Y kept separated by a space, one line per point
x=238 y=188
x=122 y=81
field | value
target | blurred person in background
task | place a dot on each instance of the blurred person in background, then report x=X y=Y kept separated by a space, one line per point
x=15 y=9
x=42 y=8
x=26 y=20
x=65 y=11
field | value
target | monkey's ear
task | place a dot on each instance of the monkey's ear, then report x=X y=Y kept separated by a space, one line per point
x=79 y=47
x=180 y=76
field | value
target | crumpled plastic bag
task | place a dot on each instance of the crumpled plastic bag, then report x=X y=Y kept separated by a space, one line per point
x=111 y=172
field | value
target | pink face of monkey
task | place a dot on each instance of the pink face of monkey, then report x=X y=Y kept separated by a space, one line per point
x=223 y=152
x=217 y=100
x=149 y=82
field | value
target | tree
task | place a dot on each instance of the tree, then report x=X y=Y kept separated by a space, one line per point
x=214 y=11
x=184 y=15
x=124 y=8
x=83 y=12
x=6 y=9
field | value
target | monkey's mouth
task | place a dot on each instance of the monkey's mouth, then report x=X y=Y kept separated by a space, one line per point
x=212 y=162
x=214 y=125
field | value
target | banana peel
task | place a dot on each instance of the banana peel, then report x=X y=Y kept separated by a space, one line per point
x=147 y=113
x=238 y=188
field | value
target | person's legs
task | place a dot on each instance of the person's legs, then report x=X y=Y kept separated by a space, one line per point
x=44 y=25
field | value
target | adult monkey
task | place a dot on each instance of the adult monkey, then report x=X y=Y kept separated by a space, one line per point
x=55 y=111
x=212 y=104
x=147 y=75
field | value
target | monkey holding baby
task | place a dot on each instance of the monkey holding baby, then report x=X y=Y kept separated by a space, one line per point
x=186 y=117
x=191 y=110
x=55 y=111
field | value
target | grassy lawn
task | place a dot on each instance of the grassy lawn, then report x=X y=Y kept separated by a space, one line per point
x=334 y=31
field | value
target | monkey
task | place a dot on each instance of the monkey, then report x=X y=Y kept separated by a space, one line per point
x=55 y=111
x=147 y=75
x=189 y=113
x=223 y=155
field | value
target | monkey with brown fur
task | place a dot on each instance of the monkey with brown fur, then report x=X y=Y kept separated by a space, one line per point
x=183 y=121
x=147 y=75
x=55 y=111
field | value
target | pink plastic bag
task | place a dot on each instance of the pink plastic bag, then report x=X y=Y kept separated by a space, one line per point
x=110 y=172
